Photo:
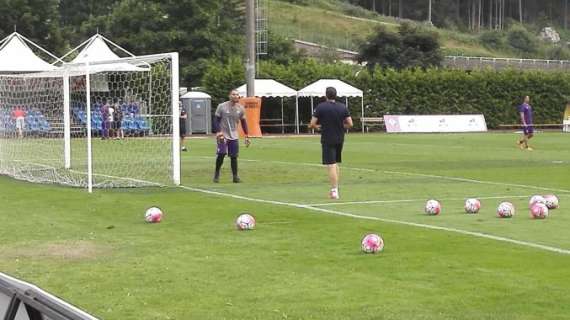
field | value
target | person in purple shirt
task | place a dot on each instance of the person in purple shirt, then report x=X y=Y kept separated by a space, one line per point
x=525 y=112
x=105 y=124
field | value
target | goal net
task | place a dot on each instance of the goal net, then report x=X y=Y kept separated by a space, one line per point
x=104 y=125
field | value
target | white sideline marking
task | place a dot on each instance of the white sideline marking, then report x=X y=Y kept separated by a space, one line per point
x=408 y=200
x=411 y=174
x=420 y=225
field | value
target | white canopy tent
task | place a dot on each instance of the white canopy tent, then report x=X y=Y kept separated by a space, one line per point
x=270 y=88
x=96 y=52
x=318 y=88
x=17 y=56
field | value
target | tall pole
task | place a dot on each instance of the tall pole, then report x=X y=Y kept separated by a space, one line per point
x=520 y=12
x=250 y=42
x=429 y=12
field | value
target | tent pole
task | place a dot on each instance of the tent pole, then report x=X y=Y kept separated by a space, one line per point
x=362 y=112
x=282 y=123
x=297 y=114
x=312 y=130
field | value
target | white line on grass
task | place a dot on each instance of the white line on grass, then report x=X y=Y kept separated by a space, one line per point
x=407 y=200
x=420 y=225
x=413 y=174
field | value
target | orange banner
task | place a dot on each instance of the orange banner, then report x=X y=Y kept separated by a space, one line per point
x=252 y=107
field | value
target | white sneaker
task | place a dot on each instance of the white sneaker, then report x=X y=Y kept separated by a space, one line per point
x=333 y=194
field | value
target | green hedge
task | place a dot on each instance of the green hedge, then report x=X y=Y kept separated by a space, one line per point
x=433 y=91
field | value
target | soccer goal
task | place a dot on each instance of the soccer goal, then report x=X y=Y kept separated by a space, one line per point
x=105 y=124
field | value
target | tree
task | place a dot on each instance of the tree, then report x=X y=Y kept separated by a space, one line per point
x=409 y=48
x=37 y=20
x=197 y=30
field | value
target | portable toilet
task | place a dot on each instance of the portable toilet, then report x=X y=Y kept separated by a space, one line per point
x=198 y=105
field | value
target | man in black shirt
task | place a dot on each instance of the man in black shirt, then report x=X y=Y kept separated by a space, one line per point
x=333 y=118
x=182 y=126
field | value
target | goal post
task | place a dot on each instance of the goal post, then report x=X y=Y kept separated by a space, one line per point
x=99 y=125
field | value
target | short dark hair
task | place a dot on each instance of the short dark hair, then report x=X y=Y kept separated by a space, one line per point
x=330 y=93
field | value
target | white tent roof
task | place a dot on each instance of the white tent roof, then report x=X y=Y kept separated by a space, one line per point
x=196 y=94
x=318 y=88
x=268 y=88
x=96 y=52
x=17 y=56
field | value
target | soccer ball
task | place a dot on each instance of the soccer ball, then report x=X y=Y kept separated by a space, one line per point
x=372 y=243
x=245 y=221
x=472 y=205
x=505 y=210
x=433 y=207
x=539 y=211
x=551 y=201
x=536 y=199
x=153 y=215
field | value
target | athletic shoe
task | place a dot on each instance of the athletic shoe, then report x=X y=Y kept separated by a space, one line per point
x=184 y=149
x=216 y=180
x=529 y=149
x=237 y=179
x=333 y=194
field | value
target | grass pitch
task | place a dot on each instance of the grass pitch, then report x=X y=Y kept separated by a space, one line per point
x=303 y=260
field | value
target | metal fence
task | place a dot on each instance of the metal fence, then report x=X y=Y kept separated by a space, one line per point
x=474 y=63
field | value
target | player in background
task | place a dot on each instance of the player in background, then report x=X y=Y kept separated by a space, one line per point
x=227 y=118
x=19 y=116
x=333 y=118
x=525 y=112
x=183 y=131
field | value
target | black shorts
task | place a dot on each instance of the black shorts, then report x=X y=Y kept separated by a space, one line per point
x=332 y=153
x=117 y=125
x=183 y=131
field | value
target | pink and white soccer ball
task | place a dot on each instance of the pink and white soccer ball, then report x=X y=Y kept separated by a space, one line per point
x=536 y=199
x=538 y=211
x=245 y=221
x=472 y=205
x=551 y=201
x=505 y=210
x=433 y=207
x=153 y=215
x=372 y=243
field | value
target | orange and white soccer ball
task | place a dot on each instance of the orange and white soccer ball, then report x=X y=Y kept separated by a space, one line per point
x=372 y=243
x=472 y=205
x=433 y=207
x=539 y=211
x=551 y=201
x=245 y=221
x=153 y=215
x=505 y=210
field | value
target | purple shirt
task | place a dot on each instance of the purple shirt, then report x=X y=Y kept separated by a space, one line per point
x=526 y=109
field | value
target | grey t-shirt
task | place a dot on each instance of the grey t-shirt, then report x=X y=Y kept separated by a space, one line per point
x=230 y=117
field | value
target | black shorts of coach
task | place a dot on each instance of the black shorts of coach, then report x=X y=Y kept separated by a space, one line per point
x=332 y=153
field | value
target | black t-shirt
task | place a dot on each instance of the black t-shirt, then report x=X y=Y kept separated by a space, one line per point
x=331 y=117
x=182 y=119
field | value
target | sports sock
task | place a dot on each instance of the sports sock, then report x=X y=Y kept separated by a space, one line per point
x=219 y=162
x=234 y=164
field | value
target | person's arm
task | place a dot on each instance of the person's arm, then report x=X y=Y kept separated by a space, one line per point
x=216 y=125
x=314 y=124
x=523 y=120
x=348 y=122
x=217 y=122
x=243 y=122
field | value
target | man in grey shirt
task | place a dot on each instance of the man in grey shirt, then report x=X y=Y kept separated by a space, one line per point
x=227 y=118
